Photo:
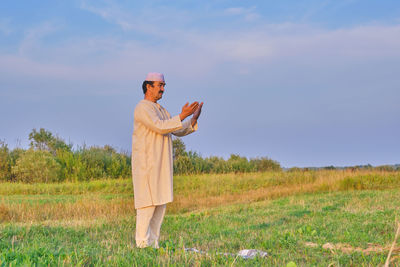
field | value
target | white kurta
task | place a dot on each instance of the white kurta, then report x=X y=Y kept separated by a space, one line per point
x=152 y=162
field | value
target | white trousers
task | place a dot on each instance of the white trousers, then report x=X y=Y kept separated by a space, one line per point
x=148 y=225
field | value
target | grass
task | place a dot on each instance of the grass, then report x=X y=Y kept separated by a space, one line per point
x=292 y=216
x=114 y=198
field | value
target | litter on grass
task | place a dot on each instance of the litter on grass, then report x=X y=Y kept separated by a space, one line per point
x=244 y=253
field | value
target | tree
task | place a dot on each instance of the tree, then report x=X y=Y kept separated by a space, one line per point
x=4 y=162
x=44 y=140
x=178 y=148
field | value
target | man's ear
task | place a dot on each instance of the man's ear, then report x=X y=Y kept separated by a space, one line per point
x=147 y=87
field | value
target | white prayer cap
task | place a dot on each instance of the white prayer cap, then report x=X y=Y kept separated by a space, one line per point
x=155 y=77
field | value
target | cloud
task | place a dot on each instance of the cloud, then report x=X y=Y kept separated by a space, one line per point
x=111 y=13
x=144 y=20
x=279 y=50
x=248 y=13
x=115 y=58
x=34 y=35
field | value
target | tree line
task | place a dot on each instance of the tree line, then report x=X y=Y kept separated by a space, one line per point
x=50 y=159
x=192 y=163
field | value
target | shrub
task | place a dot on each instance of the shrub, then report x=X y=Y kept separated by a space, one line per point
x=237 y=164
x=183 y=165
x=387 y=168
x=120 y=166
x=218 y=165
x=70 y=166
x=5 y=169
x=36 y=166
x=265 y=164
x=102 y=162
x=94 y=162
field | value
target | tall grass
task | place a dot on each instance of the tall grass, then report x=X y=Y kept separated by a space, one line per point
x=114 y=198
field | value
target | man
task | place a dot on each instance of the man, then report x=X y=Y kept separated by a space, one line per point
x=152 y=167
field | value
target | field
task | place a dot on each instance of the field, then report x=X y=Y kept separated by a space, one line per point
x=322 y=218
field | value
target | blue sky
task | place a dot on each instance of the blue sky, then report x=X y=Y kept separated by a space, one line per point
x=307 y=83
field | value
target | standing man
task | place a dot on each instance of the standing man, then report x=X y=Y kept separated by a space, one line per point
x=152 y=163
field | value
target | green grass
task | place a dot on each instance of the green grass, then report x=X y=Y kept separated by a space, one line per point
x=283 y=213
x=68 y=188
x=281 y=227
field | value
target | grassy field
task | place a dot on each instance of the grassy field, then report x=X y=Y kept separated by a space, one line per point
x=336 y=218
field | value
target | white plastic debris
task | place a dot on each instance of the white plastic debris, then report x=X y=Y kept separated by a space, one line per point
x=244 y=253
x=193 y=250
x=251 y=253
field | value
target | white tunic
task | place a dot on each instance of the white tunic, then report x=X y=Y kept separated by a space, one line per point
x=152 y=160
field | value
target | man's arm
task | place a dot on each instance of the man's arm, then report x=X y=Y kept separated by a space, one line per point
x=148 y=116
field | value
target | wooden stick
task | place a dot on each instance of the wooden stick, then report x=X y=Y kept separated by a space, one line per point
x=394 y=243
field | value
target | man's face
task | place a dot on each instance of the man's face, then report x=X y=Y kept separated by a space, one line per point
x=156 y=90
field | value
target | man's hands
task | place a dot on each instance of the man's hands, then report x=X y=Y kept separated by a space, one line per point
x=197 y=113
x=188 y=110
x=194 y=108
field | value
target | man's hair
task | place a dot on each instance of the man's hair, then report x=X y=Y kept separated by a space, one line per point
x=144 y=85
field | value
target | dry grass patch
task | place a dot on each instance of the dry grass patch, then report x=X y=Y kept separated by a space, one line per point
x=80 y=210
x=348 y=249
x=5 y=214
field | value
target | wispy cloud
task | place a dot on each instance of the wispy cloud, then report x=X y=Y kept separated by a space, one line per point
x=113 y=59
x=248 y=13
x=159 y=21
x=112 y=13
x=34 y=35
x=195 y=53
x=320 y=6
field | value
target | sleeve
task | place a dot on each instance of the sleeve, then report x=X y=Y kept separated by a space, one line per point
x=148 y=116
x=187 y=128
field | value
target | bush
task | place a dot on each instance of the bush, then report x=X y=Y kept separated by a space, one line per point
x=94 y=162
x=102 y=162
x=192 y=163
x=120 y=166
x=50 y=159
x=266 y=164
x=71 y=168
x=36 y=166
x=183 y=165
x=5 y=169
x=387 y=168
x=237 y=164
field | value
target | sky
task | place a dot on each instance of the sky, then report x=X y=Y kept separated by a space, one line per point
x=305 y=82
